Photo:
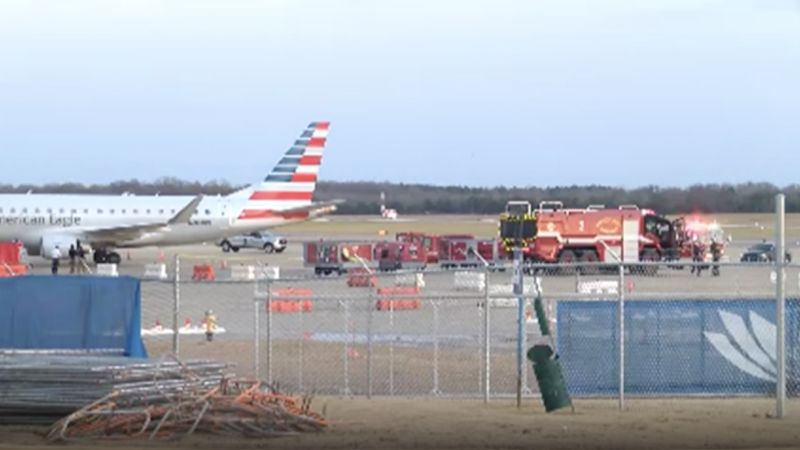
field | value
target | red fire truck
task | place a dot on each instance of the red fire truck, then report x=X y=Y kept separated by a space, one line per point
x=326 y=256
x=591 y=234
x=399 y=255
x=429 y=242
x=454 y=251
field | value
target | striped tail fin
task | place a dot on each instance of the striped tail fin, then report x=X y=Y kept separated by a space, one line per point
x=291 y=183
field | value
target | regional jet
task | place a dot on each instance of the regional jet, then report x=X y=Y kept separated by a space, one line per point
x=107 y=222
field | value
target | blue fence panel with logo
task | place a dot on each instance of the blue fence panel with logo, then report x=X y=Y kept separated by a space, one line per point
x=678 y=347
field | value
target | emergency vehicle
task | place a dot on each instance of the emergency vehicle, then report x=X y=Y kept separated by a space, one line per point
x=553 y=233
x=454 y=252
x=430 y=242
x=326 y=256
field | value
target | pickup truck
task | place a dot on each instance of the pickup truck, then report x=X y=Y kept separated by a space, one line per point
x=262 y=240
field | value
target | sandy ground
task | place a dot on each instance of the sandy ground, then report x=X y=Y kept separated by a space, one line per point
x=455 y=424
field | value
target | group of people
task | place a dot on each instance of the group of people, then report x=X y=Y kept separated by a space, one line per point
x=699 y=256
x=77 y=258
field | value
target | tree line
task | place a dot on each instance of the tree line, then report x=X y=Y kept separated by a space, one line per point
x=364 y=197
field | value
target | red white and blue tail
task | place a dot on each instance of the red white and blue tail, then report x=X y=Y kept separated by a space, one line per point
x=290 y=185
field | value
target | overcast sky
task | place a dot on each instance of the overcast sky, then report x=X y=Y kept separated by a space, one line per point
x=527 y=92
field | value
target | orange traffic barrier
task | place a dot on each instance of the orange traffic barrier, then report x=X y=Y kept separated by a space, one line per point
x=13 y=270
x=291 y=300
x=398 y=298
x=203 y=272
x=360 y=277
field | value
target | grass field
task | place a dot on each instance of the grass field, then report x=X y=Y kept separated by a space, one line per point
x=739 y=226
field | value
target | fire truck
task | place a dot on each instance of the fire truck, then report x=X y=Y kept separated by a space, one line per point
x=553 y=233
x=326 y=256
x=454 y=251
x=427 y=241
x=392 y=256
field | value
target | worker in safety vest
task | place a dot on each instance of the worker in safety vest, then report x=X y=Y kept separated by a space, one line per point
x=210 y=324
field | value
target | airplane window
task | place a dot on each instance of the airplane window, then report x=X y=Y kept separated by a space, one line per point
x=99 y=211
x=61 y=211
x=161 y=211
x=208 y=212
x=36 y=211
x=111 y=211
x=148 y=211
x=49 y=211
x=24 y=210
x=73 y=211
x=122 y=212
x=1 y=210
x=136 y=211
x=173 y=211
x=13 y=210
x=86 y=211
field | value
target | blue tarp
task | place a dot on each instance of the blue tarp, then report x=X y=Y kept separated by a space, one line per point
x=713 y=347
x=71 y=312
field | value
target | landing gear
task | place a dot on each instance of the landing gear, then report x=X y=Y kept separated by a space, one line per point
x=103 y=256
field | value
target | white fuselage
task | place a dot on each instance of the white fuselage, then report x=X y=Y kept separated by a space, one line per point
x=29 y=217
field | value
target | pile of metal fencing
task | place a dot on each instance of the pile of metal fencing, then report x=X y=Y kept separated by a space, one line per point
x=36 y=388
x=241 y=408
x=115 y=397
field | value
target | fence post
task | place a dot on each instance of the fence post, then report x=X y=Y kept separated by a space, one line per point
x=256 y=334
x=780 y=319
x=176 y=301
x=370 y=308
x=391 y=348
x=487 y=365
x=300 y=350
x=435 y=305
x=346 y=355
x=269 y=331
x=621 y=331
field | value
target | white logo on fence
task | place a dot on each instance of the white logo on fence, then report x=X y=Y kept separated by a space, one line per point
x=754 y=351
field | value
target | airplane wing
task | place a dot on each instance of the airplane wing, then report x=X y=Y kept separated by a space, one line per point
x=131 y=232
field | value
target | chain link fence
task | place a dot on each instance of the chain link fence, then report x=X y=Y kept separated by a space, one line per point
x=454 y=333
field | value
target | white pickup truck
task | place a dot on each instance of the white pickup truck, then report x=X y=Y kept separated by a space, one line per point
x=262 y=240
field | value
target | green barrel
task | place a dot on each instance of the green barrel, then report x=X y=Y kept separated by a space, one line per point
x=550 y=378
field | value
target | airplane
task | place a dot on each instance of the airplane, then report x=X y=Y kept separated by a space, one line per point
x=107 y=222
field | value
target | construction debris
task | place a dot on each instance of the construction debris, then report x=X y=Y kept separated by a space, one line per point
x=115 y=397
x=242 y=408
x=40 y=387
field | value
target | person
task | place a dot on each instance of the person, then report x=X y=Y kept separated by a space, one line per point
x=716 y=255
x=73 y=254
x=81 y=256
x=697 y=256
x=210 y=323
x=55 y=256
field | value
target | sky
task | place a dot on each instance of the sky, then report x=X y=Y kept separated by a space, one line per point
x=478 y=93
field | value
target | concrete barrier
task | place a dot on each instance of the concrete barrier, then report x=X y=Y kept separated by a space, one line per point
x=240 y=273
x=598 y=287
x=107 y=270
x=155 y=271
x=469 y=281
x=410 y=279
x=269 y=273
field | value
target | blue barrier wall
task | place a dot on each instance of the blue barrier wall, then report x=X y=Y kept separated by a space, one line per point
x=71 y=312
x=677 y=347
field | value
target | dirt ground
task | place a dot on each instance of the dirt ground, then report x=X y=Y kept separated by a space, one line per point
x=455 y=424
